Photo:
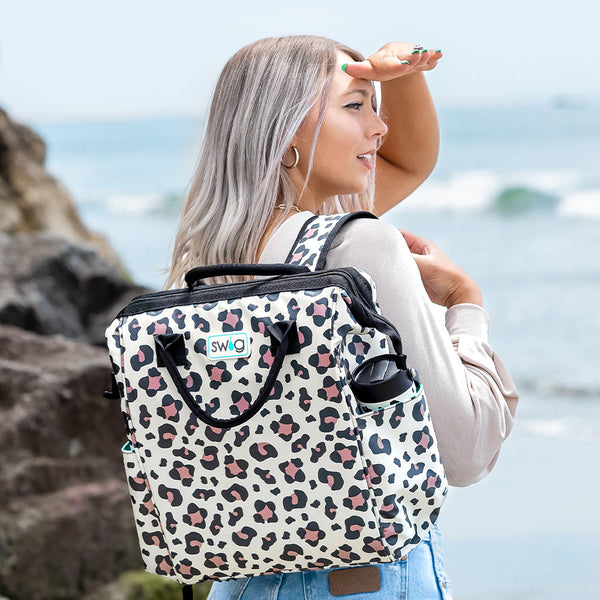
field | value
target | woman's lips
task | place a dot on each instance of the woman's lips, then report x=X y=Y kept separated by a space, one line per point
x=367 y=159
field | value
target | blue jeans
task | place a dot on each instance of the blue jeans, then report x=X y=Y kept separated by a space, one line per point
x=420 y=577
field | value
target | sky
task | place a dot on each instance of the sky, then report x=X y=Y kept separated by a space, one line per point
x=77 y=59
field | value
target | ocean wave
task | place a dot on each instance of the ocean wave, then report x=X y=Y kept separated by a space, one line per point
x=467 y=191
x=550 y=192
x=133 y=205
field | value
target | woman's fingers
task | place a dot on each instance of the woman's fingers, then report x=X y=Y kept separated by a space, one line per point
x=378 y=70
x=393 y=60
x=416 y=243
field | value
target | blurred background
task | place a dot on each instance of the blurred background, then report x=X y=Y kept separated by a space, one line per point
x=118 y=91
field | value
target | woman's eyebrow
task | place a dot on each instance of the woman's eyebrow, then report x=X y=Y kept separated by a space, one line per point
x=364 y=93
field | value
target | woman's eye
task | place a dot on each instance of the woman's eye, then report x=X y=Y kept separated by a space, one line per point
x=354 y=105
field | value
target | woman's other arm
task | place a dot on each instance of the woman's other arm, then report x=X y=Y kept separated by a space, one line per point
x=471 y=396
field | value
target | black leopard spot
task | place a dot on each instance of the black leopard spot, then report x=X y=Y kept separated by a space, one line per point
x=184 y=452
x=297 y=499
x=285 y=427
x=171 y=495
x=262 y=451
x=216 y=561
x=203 y=494
x=214 y=434
x=235 y=515
x=311 y=534
x=291 y=551
x=210 y=459
x=244 y=536
x=328 y=418
x=423 y=440
x=154 y=538
x=183 y=473
x=419 y=411
x=317 y=452
x=163 y=565
x=331 y=478
x=171 y=523
x=358 y=499
x=330 y=508
x=240 y=560
x=241 y=436
x=236 y=467
x=195 y=516
x=235 y=493
x=354 y=526
x=415 y=469
x=265 y=475
x=166 y=435
x=391 y=530
x=301 y=443
x=193 y=542
x=292 y=470
x=216 y=524
x=379 y=445
x=153 y=382
x=265 y=512
x=344 y=455
x=144 y=356
x=268 y=541
x=345 y=554
x=389 y=507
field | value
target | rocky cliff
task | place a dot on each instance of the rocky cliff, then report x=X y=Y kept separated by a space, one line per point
x=66 y=525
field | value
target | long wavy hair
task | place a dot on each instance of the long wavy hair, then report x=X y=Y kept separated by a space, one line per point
x=262 y=97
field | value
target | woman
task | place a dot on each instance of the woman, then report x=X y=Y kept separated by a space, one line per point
x=293 y=126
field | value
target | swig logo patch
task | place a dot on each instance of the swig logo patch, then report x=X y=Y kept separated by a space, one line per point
x=228 y=345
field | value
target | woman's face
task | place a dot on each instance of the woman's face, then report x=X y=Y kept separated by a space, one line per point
x=347 y=143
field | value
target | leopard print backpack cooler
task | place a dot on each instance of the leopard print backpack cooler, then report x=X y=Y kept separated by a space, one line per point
x=247 y=453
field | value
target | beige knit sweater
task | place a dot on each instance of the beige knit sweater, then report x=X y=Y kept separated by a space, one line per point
x=472 y=397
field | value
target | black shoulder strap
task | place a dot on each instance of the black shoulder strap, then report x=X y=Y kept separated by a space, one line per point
x=316 y=237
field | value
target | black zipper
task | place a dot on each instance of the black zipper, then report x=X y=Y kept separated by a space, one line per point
x=159 y=300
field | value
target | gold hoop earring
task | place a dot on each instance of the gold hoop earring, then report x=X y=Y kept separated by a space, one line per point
x=296 y=159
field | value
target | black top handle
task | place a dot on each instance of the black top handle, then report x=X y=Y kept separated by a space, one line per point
x=194 y=276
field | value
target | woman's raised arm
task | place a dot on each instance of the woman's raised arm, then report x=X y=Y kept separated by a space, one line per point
x=410 y=149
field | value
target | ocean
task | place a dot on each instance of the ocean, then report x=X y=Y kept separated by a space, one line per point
x=515 y=201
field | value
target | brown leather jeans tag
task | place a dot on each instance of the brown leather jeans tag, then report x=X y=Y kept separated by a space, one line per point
x=354 y=580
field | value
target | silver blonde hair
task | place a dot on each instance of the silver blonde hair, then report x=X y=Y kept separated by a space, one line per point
x=262 y=97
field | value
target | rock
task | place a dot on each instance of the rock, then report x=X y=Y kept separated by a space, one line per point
x=66 y=524
x=31 y=199
x=139 y=585
x=49 y=285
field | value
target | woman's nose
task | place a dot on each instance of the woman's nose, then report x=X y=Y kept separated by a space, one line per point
x=379 y=127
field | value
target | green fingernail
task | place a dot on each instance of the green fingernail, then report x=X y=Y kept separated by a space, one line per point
x=405 y=62
x=438 y=50
x=417 y=51
x=344 y=67
x=424 y=50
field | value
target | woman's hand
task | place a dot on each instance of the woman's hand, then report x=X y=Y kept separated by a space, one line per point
x=445 y=282
x=395 y=59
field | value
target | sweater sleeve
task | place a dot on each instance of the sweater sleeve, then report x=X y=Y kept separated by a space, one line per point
x=471 y=396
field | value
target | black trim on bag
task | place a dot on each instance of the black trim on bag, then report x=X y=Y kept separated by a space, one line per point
x=309 y=280
x=361 y=214
x=194 y=276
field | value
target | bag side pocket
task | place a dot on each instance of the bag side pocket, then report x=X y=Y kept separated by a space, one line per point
x=150 y=535
x=405 y=468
